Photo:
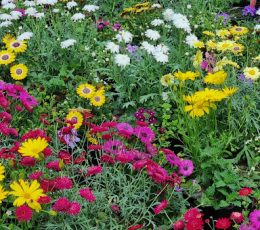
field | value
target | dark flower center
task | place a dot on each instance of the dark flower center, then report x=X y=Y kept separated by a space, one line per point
x=86 y=90
x=16 y=44
x=238 y=29
x=97 y=99
x=5 y=57
x=18 y=71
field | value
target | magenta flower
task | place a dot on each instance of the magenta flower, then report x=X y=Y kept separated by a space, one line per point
x=160 y=207
x=125 y=129
x=126 y=157
x=173 y=159
x=157 y=173
x=74 y=209
x=254 y=217
x=186 y=167
x=87 y=194
x=145 y=134
x=113 y=146
x=28 y=101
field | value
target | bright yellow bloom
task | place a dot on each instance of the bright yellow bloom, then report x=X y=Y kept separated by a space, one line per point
x=2 y=172
x=7 y=38
x=229 y=91
x=238 y=30
x=76 y=118
x=198 y=109
x=216 y=78
x=197 y=59
x=17 y=46
x=98 y=98
x=52 y=213
x=27 y=193
x=211 y=44
x=209 y=33
x=183 y=76
x=237 y=48
x=167 y=80
x=211 y=95
x=19 y=72
x=198 y=44
x=220 y=64
x=86 y=90
x=225 y=45
x=257 y=58
x=252 y=72
x=91 y=139
x=3 y=194
x=223 y=33
x=33 y=147
x=6 y=57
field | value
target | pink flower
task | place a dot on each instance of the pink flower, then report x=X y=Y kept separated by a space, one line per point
x=35 y=175
x=160 y=207
x=139 y=164
x=23 y=213
x=115 y=208
x=179 y=225
x=74 y=209
x=107 y=159
x=186 y=167
x=113 y=146
x=61 y=205
x=44 y=200
x=135 y=227
x=173 y=159
x=157 y=173
x=237 y=217
x=55 y=165
x=125 y=129
x=87 y=194
x=94 y=170
x=145 y=134
x=124 y=158
x=28 y=161
x=63 y=183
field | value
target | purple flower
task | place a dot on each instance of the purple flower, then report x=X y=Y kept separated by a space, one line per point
x=28 y=101
x=145 y=134
x=69 y=136
x=131 y=48
x=113 y=146
x=186 y=167
x=242 y=78
x=173 y=159
x=223 y=16
x=116 y=26
x=125 y=129
x=248 y=10
x=22 y=11
x=151 y=149
x=254 y=217
x=246 y=227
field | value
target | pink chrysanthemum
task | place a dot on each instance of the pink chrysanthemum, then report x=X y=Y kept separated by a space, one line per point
x=87 y=194
x=160 y=207
x=237 y=217
x=186 y=167
x=61 y=205
x=179 y=225
x=254 y=217
x=63 y=183
x=28 y=161
x=223 y=223
x=74 y=209
x=113 y=146
x=94 y=170
x=44 y=200
x=125 y=129
x=192 y=213
x=107 y=159
x=145 y=134
x=35 y=175
x=23 y=213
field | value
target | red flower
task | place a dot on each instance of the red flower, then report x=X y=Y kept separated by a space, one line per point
x=160 y=207
x=135 y=227
x=48 y=185
x=223 y=223
x=23 y=213
x=237 y=217
x=115 y=208
x=194 y=224
x=94 y=170
x=61 y=205
x=65 y=157
x=245 y=191
x=95 y=147
x=44 y=200
x=106 y=136
x=139 y=164
x=107 y=159
x=74 y=209
x=87 y=194
x=55 y=165
x=47 y=152
x=192 y=213
x=28 y=161
x=179 y=225
x=63 y=183
x=35 y=175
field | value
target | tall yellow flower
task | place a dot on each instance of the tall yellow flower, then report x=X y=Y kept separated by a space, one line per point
x=167 y=79
x=2 y=172
x=237 y=48
x=198 y=109
x=98 y=98
x=183 y=76
x=7 y=38
x=225 y=45
x=75 y=117
x=3 y=193
x=229 y=91
x=33 y=147
x=6 y=57
x=197 y=59
x=86 y=90
x=27 y=193
x=238 y=30
x=220 y=64
x=17 y=46
x=216 y=78
x=19 y=72
x=223 y=33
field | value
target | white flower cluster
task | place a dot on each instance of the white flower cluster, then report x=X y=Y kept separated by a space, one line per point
x=67 y=43
x=25 y=36
x=47 y=2
x=159 y=52
x=78 y=17
x=124 y=36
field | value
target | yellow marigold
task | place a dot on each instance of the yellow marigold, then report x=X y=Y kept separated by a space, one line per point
x=19 y=72
x=237 y=48
x=211 y=44
x=211 y=95
x=225 y=45
x=198 y=44
x=220 y=64
x=98 y=99
x=3 y=193
x=229 y=91
x=74 y=117
x=2 y=172
x=6 y=57
x=167 y=80
x=86 y=90
x=209 y=33
x=198 y=109
x=33 y=147
x=252 y=73
x=183 y=76
x=7 y=38
x=216 y=78
x=223 y=33
x=197 y=59
x=27 y=193
x=238 y=30
x=16 y=46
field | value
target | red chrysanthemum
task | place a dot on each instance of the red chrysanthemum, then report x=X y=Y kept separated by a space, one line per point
x=192 y=213
x=194 y=224
x=87 y=194
x=44 y=200
x=115 y=208
x=107 y=159
x=179 y=225
x=35 y=175
x=28 y=161
x=237 y=217
x=245 y=191
x=61 y=205
x=223 y=223
x=135 y=227
x=63 y=183
x=160 y=207
x=94 y=170
x=74 y=209
x=23 y=213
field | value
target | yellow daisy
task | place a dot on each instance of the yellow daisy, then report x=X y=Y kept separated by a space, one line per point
x=238 y=30
x=6 y=57
x=220 y=64
x=237 y=48
x=19 y=72
x=17 y=46
x=211 y=44
x=252 y=72
x=27 y=193
x=3 y=194
x=167 y=80
x=216 y=78
x=2 y=172
x=198 y=44
x=183 y=76
x=225 y=45
x=98 y=99
x=197 y=59
x=223 y=33
x=75 y=117
x=7 y=38
x=210 y=95
x=86 y=90
x=33 y=147
x=209 y=33
x=229 y=91
x=198 y=109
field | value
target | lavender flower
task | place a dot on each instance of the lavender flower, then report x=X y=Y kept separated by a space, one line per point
x=248 y=10
x=69 y=136
x=243 y=78
x=223 y=16
x=131 y=48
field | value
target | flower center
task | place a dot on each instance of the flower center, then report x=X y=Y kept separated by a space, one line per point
x=74 y=119
x=251 y=72
x=19 y=71
x=97 y=99
x=27 y=196
x=238 y=29
x=86 y=90
x=16 y=44
x=5 y=57
x=236 y=48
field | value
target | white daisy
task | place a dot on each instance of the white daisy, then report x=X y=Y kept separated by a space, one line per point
x=147 y=47
x=47 y=2
x=156 y=5
x=56 y=10
x=78 y=17
x=9 y=6
x=91 y=8
x=191 y=39
x=71 y=4
x=125 y=36
x=152 y=34
x=39 y=15
x=16 y=15
x=161 y=57
x=157 y=22
x=257 y=27
x=122 y=60
x=5 y=17
x=25 y=36
x=162 y=48
x=112 y=47
x=5 y=24
x=29 y=3
x=181 y=21
x=258 y=11
x=31 y=11
x=168 y=15
x=67 y=43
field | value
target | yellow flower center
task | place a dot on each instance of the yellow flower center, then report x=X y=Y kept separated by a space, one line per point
x=27 y=196
x=251 y=72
